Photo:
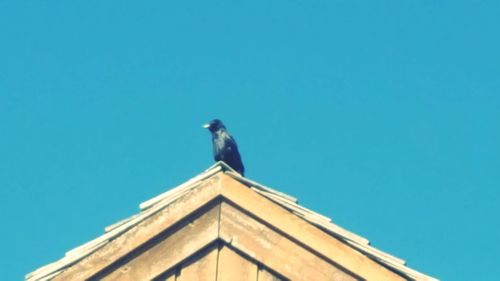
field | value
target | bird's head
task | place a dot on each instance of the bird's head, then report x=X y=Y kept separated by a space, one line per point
x=214 y=125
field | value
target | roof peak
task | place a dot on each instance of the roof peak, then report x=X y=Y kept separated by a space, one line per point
x=287 y=202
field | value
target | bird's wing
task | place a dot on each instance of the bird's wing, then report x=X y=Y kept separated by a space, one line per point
x=232 y=156
x=225 y=149
x=229 y=150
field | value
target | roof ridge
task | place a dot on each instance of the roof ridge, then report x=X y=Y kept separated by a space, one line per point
x=257 y=185
x=157 y=203
x=219 y=166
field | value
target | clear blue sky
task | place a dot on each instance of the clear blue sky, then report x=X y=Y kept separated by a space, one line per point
x=383 y=116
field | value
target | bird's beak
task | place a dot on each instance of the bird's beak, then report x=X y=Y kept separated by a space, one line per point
x=206 y=126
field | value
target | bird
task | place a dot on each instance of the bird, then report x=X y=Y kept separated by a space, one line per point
x=224 y=146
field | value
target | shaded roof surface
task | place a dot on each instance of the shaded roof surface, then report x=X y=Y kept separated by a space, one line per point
x=151 y=206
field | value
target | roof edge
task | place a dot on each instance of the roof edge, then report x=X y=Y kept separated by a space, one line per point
x=289 y=203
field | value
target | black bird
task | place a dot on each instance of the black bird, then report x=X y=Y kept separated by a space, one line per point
x=225 y=148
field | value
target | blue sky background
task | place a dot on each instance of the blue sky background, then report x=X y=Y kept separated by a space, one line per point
x=383 y=116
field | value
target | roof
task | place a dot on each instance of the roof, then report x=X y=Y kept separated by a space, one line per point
x=270 y=207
